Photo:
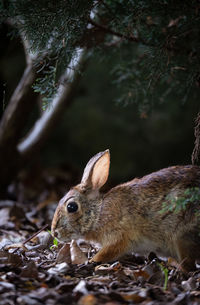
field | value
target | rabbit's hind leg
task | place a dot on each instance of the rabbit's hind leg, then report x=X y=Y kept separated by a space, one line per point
x=188 y=250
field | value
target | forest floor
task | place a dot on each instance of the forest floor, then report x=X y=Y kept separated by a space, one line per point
x=35 y=269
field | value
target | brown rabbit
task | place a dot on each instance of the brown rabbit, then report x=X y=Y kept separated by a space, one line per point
x=128 y=217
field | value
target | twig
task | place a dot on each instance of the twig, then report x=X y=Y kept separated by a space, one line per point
x=35 y=234
x=107 y=30
x=22 y=245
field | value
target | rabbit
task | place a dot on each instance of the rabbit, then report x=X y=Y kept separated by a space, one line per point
x=128 y=218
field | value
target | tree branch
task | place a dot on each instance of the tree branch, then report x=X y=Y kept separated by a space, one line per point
x=110 y=31
x=14 y=116
x=42 y=128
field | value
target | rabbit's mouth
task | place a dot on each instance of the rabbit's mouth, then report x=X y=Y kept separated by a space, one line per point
x=60 y=234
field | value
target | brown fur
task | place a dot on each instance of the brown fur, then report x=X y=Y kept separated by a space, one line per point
x=128 y=217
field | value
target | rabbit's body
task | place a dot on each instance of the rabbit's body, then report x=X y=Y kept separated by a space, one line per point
x=128 y=217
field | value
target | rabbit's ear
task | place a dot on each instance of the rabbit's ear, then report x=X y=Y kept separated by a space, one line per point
x=97 y=170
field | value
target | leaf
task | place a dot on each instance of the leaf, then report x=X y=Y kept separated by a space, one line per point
x=15 y=246
x=55 y=242
x=10 y=258
x=141 y=273
x=4 y=216
x=59 y=268
x=30 y=270
x=133 y=297
x=89 y=299
x=64 y=254
x=105 y=268
x=165 y=272
x=4 y=286
x=173 y=262
x=77 y=256
x=81 y=287
x=190 y=284
x=43 y=238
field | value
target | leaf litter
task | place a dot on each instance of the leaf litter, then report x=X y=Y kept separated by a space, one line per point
x=35 y=269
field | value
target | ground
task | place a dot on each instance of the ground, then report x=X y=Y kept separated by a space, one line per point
x=35 y=269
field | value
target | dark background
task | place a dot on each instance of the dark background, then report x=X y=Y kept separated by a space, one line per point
x=95 y=121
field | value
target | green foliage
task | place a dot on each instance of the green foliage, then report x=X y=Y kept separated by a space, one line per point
x=53 y=30
x=157 y=43
x=55 y=240
x=165 y=271
x=46 y=86
x=166 y=59
x=57 y=23
x=177 y=204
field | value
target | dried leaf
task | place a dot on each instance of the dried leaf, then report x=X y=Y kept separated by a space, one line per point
x=59 y=268
x=172 y=262
x=116 y=266
x=4 y=216
x=77 y=256
x=26 y=299
x=4 y=286
x=81 y=287
x=102 y=269
x=195 y=293
x=64 y=254
x=132 y=297
x=105 y=268
x=89 y=299
x=141 y=273
x=10 y=258
x=190 y=284
x=43 y=238
x=17 y=245
x=100 y=280
x=181 y=298
x=30 y=270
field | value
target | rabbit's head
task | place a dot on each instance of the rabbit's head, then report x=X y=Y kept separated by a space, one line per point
x=78 y=211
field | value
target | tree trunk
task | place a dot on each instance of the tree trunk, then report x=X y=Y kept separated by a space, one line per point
x=12 y=125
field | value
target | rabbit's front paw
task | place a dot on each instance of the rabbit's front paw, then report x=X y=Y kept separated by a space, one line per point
x=109 y=253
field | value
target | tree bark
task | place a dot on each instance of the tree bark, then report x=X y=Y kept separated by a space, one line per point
x=196 y=150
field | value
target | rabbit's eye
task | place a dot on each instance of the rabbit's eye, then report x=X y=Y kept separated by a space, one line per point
x=72 y=207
